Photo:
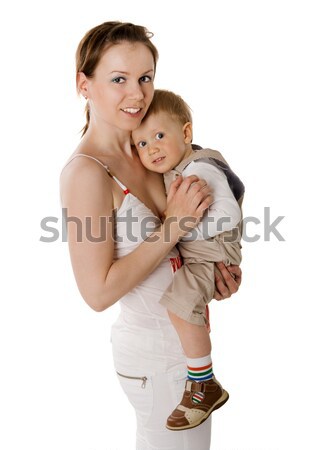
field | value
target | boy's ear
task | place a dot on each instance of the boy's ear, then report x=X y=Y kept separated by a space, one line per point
x=82 y=84
x=188 y=133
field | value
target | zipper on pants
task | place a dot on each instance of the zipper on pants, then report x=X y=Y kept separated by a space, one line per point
x=144 y=379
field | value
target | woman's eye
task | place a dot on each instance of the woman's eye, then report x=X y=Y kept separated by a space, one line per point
x=118 y=80
x=141 y=144
x=145 y=79
x=159 y=136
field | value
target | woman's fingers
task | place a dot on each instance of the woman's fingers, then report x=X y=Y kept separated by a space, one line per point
x=187 y=182
x=236 y=272
x=198 y=192
x=187 y=200
x=174 y=188
x=190 y=191
x=228 y=282
x=221 y=292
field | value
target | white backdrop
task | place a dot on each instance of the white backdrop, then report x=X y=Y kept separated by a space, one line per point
x=254 y=73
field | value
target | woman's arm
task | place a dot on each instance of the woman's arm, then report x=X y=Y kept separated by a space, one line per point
x=86 y=192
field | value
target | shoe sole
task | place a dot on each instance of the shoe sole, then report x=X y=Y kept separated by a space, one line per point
x=220 y=402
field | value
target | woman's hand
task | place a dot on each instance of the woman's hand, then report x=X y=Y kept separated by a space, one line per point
x=228 y=280
x=187 y=201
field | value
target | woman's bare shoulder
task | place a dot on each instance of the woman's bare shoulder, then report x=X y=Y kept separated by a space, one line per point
x=82 y=166
x=84 y=175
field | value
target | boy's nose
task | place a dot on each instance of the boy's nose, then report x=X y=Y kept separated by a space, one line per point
x=153 y=148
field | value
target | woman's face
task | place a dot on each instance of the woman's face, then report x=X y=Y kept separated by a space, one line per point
x=122 y=87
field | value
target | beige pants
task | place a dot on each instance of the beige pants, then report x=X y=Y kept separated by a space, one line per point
x=193 y=285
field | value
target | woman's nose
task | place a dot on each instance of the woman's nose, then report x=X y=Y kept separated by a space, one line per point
x=136 y=92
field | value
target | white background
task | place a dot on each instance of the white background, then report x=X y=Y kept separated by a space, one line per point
x=254 y=73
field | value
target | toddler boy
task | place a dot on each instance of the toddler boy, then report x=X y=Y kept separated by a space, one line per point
x=164 y=144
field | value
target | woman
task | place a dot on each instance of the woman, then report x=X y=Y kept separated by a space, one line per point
x=123 y=251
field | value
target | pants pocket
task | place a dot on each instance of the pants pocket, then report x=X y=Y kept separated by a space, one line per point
x=139 y=391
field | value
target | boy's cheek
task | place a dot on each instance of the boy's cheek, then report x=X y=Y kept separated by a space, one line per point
x=143 y=160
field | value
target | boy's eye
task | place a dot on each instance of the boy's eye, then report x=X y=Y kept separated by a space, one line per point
x=118 y=80
x=141 y=144
x=159 y=136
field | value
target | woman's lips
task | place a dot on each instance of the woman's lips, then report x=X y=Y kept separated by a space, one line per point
x=133 y=112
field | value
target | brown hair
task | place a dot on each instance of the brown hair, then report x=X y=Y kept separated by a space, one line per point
x=99 y=39
x=173 y=104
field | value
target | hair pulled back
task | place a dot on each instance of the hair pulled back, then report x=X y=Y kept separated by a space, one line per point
x=97 y=40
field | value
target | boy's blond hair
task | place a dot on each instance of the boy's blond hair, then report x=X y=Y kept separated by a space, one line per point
x=170 y=103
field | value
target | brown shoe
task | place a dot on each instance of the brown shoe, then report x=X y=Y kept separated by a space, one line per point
x=198 y=402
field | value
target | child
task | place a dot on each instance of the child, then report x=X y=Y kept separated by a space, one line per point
x=164 y=144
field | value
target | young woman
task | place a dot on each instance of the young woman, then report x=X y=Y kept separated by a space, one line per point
x=123 y=251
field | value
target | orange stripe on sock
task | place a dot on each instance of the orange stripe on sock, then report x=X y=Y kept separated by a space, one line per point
x=197 y=369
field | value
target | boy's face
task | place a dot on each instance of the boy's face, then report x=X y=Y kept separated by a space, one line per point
x=162 y=142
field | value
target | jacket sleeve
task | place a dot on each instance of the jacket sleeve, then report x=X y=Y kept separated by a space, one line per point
x=224 y=213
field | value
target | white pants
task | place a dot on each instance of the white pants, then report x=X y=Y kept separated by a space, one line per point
x=153 y=404
x=162 y=362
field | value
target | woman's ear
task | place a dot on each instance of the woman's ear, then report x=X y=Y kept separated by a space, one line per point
x=82 y=84
x=188 y=133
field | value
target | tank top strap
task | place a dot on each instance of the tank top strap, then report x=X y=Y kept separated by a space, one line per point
x=90 y=157
x=120 y=184
x=123 y=187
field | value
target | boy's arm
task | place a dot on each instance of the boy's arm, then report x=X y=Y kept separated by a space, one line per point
x=224 y=212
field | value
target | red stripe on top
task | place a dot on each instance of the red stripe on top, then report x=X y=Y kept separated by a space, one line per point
x=126 y=191
x=176 y=263
x=199 y=395
x=197 y=369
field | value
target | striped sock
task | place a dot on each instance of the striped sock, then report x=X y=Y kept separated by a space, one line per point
x=199 y=369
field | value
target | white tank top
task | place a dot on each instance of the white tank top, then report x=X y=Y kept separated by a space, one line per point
x=134 y=222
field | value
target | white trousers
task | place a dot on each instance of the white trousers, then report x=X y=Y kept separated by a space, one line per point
x=153 y=403
x=156 y=397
